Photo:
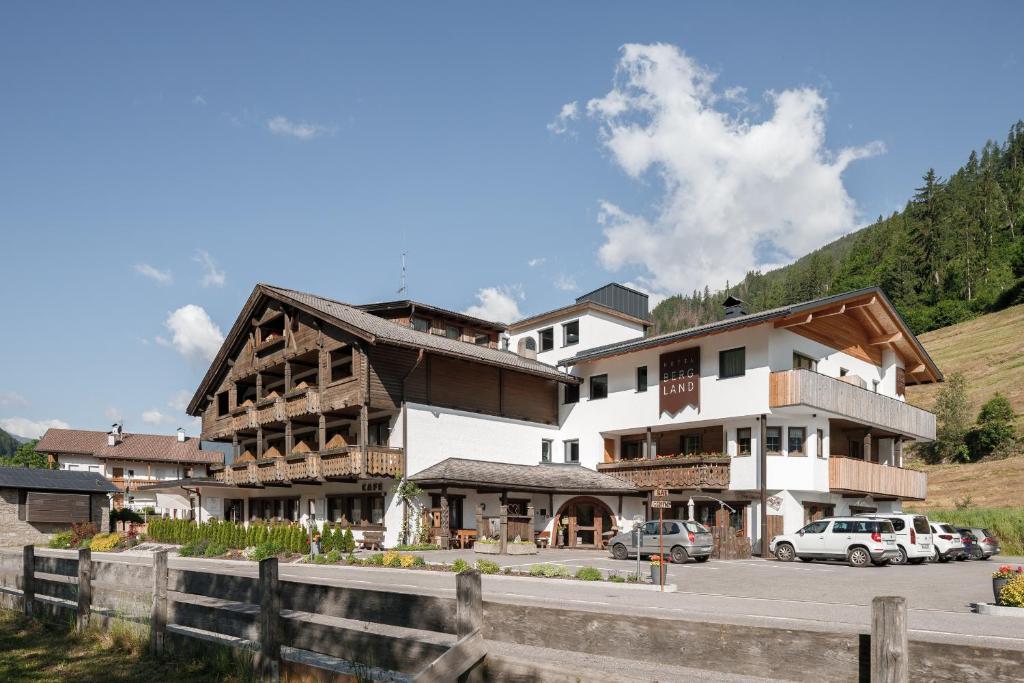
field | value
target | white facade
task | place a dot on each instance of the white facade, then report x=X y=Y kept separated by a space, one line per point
x=596 y=328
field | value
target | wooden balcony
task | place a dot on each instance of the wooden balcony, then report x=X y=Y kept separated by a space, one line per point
x=135 y=482
x=673 y=472
x=338 y=463
x=243 y=417
x=828 y=394
x=849 y=475
x=302 y=402
x=270 y=410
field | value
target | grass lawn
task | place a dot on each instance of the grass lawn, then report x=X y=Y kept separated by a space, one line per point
x=36 y=651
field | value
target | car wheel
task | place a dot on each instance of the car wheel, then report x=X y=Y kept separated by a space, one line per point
x=679 y=555
x=619 y=552
x=858 y=557
x=978 y=554
x=784 y=552
x=703 y=558
x=936 y=556
x=901 y=556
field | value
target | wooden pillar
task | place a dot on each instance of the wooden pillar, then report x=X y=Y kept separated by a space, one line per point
x=287 y=376
x=762 y=449
x=889 y=646
x=28 y=577
x=84 y=588
x=504 y=527
x=650 y=445
x=158 y=614
x=289 y=439
x=259 y=442
x=259 y=385
x=480 y=531
x=530 y=515
x=867 y=446
x=469 y=615
x=321 y=433
x=445 y=523
x=268 y=659
x=364 y=427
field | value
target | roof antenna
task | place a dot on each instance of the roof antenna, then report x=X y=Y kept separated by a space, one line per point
x=402 y=289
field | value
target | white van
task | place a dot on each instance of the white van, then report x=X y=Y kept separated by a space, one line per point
x=913 y=536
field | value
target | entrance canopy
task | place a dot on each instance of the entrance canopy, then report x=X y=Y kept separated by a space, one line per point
x=501 y=476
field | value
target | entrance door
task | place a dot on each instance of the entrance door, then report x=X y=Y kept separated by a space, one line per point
x=587 y=521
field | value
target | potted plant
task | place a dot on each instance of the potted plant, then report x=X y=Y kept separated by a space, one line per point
x=488 y=546
x=1001 y=577
x=659 y=570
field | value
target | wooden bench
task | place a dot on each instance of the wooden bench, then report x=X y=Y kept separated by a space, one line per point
x=372 y=540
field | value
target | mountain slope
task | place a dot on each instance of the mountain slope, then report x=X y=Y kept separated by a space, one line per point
x=8 y=444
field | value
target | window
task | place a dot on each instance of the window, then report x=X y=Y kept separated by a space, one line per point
x=861 y=526
x=222 y=404
x=546 y=337
x=732 y=363
x=843 y=372
x=379 y=432
x=689 y=444
x=356 y=509
x=856 y=449
x=571 y=333
x=545 y=450
x=632 y=450
x=572 y=451
x=773 y=440
x=482 y=339
x=420 y=324
x=797 y=437
x=341 y=363
x=641 y=378
x=815 y=528
x=802 y=362
x=743 y=441
x=598 y=387
x=821 y=443
x=286 y=509
x=572 y=393
x=452 y=331
x=234 y=510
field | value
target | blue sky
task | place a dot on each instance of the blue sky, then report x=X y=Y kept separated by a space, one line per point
x=155 y=163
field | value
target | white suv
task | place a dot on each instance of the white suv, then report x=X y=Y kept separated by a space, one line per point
x=947 y=541
x=913 y=536
x=859 y=541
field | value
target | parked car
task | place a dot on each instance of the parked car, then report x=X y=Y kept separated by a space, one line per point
x=857 y=540
x=970 y=541
x=987 y=545
x=681 y=540
x=947 y=542
x=913 y=536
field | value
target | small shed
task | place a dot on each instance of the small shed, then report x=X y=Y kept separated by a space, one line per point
x=35 y=504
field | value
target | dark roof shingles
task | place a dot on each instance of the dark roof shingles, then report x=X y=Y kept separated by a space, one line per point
x=154 y=447
x=54 y=480
x=553 y=477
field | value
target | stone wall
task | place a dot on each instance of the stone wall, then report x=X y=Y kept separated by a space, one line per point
x=14 y=532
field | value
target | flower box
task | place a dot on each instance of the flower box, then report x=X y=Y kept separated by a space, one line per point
x=521 y=549
x=482 y=548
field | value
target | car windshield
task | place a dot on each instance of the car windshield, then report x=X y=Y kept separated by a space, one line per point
x=696 y=528
x=947 y=529
x=921 y=525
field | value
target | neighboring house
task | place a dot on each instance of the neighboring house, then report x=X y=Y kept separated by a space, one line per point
x=131 y=461
x=575 y=412
x=35 y=503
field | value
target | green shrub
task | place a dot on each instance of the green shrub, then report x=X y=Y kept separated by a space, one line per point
x=589 y=574
x=418 y=547
x=615 y=578
x=538 y=569
x=334 y=556
x=215 y=549
x=101 y=543
x=487 y=566
x=407 y=561
x=348 y=542
x=61 y=540
x=460 y=565
x=1012 y=594
x=375 y=560
x=265 y=550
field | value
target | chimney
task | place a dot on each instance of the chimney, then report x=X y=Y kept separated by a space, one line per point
x=181 y=435
x=733 y=307
x=527 y=348
x=114 y=437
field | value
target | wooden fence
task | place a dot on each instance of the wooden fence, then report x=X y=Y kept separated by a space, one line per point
x=295 y=628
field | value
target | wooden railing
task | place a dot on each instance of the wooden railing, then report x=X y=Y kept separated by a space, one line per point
x=305 y=402
x=272 y=411
x=677 y=472
x=858 y=476
x=345 y=462
x=122 y=482
x=812 y=389
x=243 y=418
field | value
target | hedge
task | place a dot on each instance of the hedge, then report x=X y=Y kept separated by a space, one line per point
x=292 y=537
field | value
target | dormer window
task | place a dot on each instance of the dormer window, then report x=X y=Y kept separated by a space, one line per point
x=420 y=324
x=452 y=331
x=571 y=333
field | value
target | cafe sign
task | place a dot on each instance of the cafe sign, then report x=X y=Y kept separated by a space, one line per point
x=680 y=380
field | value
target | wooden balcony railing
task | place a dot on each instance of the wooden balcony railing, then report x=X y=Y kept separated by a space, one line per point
x=812 y=389
x=135 y=482
x=676 y=472
x=304 y=402
x=339 y=463
x=243 y=418
x=858 y=476
x=270 y=410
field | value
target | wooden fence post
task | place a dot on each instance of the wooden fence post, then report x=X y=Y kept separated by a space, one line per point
x=28 y=588
x=158 y=615
x=504 y=529
x=889 y=647
x=268 y=659
x=469 y=614
x=84 y=588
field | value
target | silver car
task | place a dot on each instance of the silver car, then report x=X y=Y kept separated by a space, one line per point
x=987 y=545
x=680 y=538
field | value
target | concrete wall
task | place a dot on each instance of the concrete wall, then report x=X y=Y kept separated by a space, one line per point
x=14 y=532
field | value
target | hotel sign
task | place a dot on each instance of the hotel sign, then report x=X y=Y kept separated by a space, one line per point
x=680 y=380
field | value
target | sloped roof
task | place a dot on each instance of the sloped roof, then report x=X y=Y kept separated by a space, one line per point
x=152 y=447
x=549 y=477
x=55 y=480
x=378 y=306
x=372 y=329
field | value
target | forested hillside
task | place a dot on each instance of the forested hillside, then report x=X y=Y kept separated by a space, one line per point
x=8 y=444
x=954 y=252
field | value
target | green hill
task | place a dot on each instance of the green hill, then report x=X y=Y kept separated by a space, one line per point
x=954 y=252
x=8 y=444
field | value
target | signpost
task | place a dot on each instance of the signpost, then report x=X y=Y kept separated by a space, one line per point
x=660 y=501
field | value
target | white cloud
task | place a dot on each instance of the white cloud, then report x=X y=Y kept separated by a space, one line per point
x=301 y=130
x=737 y=194
x=199 y=100
x=534 y=262
x=566 y=283
x=30 y=429
x=560 y=124
x=164 y=277
x=179 y=402
x=497 y=303
x=193 y=333
x=12 y=399
x=162 y=341
x=653 y=298
x=112 y=413
x=155 y=418
x=212 y=277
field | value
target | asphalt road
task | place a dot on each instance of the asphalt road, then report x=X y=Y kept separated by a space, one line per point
x=817 y=596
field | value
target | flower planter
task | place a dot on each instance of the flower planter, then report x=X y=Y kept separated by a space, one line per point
x=487 y=548
x=662 y=578
x=521 y=549
x=997 y=588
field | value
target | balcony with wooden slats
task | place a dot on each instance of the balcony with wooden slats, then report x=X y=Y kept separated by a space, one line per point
x=851 y=475
x=831 y=395
x=348 y=462
x=680 y=472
